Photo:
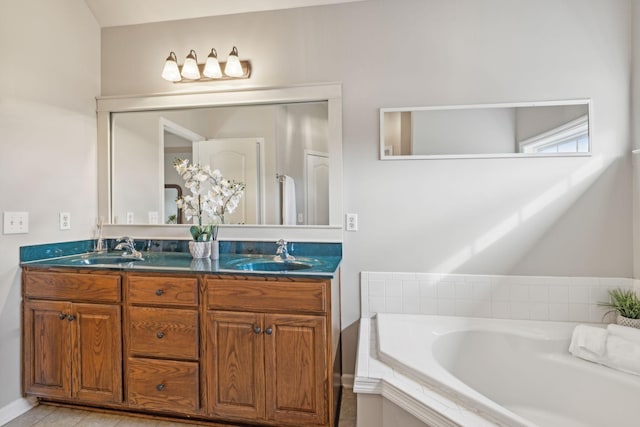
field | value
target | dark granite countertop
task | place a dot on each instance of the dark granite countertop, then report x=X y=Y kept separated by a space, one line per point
x=320 y=260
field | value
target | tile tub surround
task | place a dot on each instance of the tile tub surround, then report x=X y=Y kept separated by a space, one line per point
x=504 y=297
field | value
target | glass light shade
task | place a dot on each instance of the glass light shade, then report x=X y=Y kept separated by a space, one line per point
x=170 y=71
x=190 y=68
x=233 y=67
x=212 y=66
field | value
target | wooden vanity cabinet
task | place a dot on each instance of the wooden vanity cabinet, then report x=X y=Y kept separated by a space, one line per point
x=232 y=349
x=268 y=351
x=163 y=352
x=72 y=336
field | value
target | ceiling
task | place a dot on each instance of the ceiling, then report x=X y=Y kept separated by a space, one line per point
x=112 y=13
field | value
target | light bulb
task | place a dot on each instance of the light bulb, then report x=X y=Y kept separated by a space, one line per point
x=170 y=71
x=190 y=68
x=233 y=67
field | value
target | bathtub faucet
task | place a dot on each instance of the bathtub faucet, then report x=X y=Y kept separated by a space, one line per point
x=282 y=253
x=129 y=247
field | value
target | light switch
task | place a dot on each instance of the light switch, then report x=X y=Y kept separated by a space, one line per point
x=16 y=222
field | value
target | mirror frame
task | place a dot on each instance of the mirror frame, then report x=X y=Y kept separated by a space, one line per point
x=385 y=156
x=331 y=93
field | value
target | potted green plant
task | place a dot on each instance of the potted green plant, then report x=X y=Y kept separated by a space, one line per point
x=627 y=304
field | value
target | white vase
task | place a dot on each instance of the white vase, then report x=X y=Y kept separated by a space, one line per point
x=215 y=249
x=626 y=321
x=200 y=249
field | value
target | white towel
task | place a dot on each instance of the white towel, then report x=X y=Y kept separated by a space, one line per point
x=616 y=346
x=588 y=342
x=622 y=355
x=629 y=334
x=288 y=201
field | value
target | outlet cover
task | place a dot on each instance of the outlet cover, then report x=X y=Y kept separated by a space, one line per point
x=65 y=221
x=351 y=222
x=129 y=217
x=16 y=222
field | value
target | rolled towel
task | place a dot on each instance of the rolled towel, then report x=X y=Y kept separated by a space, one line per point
x=625 y=332
x=588 y=342
x=622 y=354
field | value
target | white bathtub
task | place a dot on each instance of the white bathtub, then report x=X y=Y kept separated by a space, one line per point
x=456 y=371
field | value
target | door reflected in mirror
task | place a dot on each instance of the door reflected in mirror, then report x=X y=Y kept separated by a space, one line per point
x=254 y=144
x=558 y=128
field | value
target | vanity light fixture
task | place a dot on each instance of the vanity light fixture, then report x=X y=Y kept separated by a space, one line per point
x=171 y=71
x=211 y=70
x=212 y=66
x=190 y=68
x=233 y=67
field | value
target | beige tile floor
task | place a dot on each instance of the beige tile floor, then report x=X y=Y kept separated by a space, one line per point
x=52 y=416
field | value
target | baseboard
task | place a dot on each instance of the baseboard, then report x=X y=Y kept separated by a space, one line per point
x=16 y=408
x=347 y=381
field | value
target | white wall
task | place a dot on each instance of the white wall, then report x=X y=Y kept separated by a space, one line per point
x=49 y=78
x=556 y=216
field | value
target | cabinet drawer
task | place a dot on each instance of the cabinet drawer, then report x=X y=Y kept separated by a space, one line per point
x=163 y=332
x=182 y=291
x=72 y=286
x=163 y=385
x=267 y=295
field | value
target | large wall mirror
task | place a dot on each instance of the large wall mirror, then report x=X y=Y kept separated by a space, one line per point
x=284 y=144
x=558 y=128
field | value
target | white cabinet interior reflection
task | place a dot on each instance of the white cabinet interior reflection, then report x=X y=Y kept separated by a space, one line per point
x=558 y=128
x=253 y=144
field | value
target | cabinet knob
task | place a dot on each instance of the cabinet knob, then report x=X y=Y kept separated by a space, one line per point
x=268 y=331
x=159 y=292
x=71 y=318
x=160 y=334
x=160 y=387
x=257 y=329
x=62 y=316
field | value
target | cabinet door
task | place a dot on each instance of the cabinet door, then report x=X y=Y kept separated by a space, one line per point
x=98 y=348
x=47 y=348
x=296 y=369
x=235 y=363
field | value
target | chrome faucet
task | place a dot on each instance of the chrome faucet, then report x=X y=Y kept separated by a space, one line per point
x=282 y=253
x=129 y=247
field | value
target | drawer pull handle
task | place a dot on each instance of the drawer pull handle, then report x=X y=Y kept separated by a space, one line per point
x=62 y=316
x=160 y=335
x=257 y=330
x=160 y=387
x=159 y=292
x=268 y=331
x=71 y=318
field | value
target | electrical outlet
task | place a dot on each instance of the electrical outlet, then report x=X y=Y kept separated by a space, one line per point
x=129 y=217
x=65 y=220
x=351 y=222
x=300 y=218
x=16 y=222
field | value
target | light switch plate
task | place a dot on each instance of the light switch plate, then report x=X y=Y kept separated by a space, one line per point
x=153 y=217
x=16 y=222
